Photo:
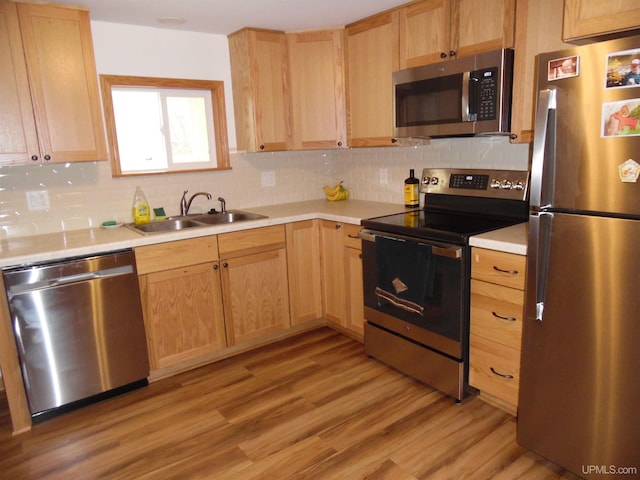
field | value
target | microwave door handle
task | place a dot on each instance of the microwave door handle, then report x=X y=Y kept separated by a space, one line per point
x=466 y=79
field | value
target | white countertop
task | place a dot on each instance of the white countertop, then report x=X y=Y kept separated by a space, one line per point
x=510 y=239
x=37 y=248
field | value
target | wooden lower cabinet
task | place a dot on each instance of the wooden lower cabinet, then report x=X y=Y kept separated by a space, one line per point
x=342 y=291
x=184 y=313
x=354 y=291
x=303 y=264
x=254 y=283
x=181 y=300
x=256 y=297
x=497 y=311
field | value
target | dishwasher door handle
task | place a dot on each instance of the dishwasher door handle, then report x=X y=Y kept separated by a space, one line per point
x=69 y=280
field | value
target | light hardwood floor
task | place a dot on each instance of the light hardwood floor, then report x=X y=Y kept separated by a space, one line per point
x=309 y=407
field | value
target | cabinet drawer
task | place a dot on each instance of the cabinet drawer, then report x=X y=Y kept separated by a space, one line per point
x=164 y=256
x=497 y=313
x=489 y=362
x=502 y=268
x=251 y=241
x=351 y=238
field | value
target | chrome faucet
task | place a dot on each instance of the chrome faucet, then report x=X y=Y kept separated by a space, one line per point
x=223 y=205
x=185 y=204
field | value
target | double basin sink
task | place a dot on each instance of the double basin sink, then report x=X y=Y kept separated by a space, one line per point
x=174 y=224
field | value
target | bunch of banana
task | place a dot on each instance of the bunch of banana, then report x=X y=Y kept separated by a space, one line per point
x=335 y=193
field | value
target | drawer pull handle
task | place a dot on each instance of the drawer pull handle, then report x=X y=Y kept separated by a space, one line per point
x=508 y=319
x=501 y=374
x=357 y=237
x=510 y=272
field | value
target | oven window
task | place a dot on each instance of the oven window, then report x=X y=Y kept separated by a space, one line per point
x=442 y=303
x=428 y=102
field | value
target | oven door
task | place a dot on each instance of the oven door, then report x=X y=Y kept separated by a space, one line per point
x=439 y=323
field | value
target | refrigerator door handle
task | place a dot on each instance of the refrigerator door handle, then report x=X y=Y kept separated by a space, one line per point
x=540 y=234
x=543 y=142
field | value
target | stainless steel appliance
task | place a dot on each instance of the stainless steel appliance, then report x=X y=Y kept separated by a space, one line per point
x=417 y=268
x=466 y=96
x=580 y=383
x=79 y=330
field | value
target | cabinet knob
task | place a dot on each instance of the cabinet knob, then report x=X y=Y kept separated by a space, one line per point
x=47 y=157
x=225 y=265
x=215 y=266
x=34 y=158
x=394 y=140
x=261 y=147
x=452 y=53
x=338 y=226
x=339 y=144
x=443 y=55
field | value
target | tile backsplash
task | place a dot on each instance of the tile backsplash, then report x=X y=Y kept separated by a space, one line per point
x=83 y=195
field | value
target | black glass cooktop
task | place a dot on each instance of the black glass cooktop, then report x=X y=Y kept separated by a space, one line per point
x=444 y=226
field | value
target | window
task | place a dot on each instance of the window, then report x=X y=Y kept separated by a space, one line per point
x=161 y=125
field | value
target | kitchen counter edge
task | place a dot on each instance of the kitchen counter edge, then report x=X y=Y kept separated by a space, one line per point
x=511 y=239
x=17 y=251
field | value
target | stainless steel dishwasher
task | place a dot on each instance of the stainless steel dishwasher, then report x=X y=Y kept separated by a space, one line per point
x=79 y=330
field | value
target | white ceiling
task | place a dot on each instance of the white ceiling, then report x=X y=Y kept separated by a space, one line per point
x=226 y=16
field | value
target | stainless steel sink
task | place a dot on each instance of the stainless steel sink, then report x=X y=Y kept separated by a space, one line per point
x=168 y=225
x=173 y=224
x=230 y=216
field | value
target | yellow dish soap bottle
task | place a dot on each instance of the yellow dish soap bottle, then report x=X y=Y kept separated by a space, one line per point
x=141 y=210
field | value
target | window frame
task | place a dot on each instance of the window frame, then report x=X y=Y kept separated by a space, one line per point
x=216 y=89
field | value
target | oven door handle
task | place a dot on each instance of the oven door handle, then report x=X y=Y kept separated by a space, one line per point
x=448 y=251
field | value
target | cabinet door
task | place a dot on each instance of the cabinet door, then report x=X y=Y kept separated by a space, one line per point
x=63 y=81
x=354 y=290
x=591 y=18
x=18 y=138
x=425 y=32
x=259 y=76
x=371 y=57
x=316 y=88
x=256 y=298
x=183 y=313
x=482 y=25
x=333 y=272
x=538 y=29
x=303 y=264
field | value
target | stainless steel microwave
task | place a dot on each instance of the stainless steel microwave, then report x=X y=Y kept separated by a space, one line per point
x=465 y=96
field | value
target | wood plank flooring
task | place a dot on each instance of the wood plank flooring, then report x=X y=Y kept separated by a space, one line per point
x=309 y=407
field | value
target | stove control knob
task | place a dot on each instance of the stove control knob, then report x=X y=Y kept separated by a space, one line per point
x=426 y=180
x=495 y=183
x=506 y=185
x=519 y=185
x=434 y=180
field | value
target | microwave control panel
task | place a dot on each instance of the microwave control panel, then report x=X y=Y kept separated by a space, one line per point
x=486 y=86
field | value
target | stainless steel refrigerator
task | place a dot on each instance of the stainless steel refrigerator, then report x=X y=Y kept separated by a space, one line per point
x=579 y=401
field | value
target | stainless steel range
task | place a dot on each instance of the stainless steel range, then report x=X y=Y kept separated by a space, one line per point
x=417 y=268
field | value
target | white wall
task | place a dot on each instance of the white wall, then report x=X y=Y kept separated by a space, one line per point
x=84 y=195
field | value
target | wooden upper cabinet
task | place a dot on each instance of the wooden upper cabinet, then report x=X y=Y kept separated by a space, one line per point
x=259 y=76
x=586 y=19
x=371 y=57
x=482 y=25
x=538 y=30
x=434 y=30
x=50 y=103
x=425 y=32
x=316 y=89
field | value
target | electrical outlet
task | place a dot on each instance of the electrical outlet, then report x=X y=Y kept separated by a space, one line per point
x=268 y=179
x=384 y=178
x=38 y=200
